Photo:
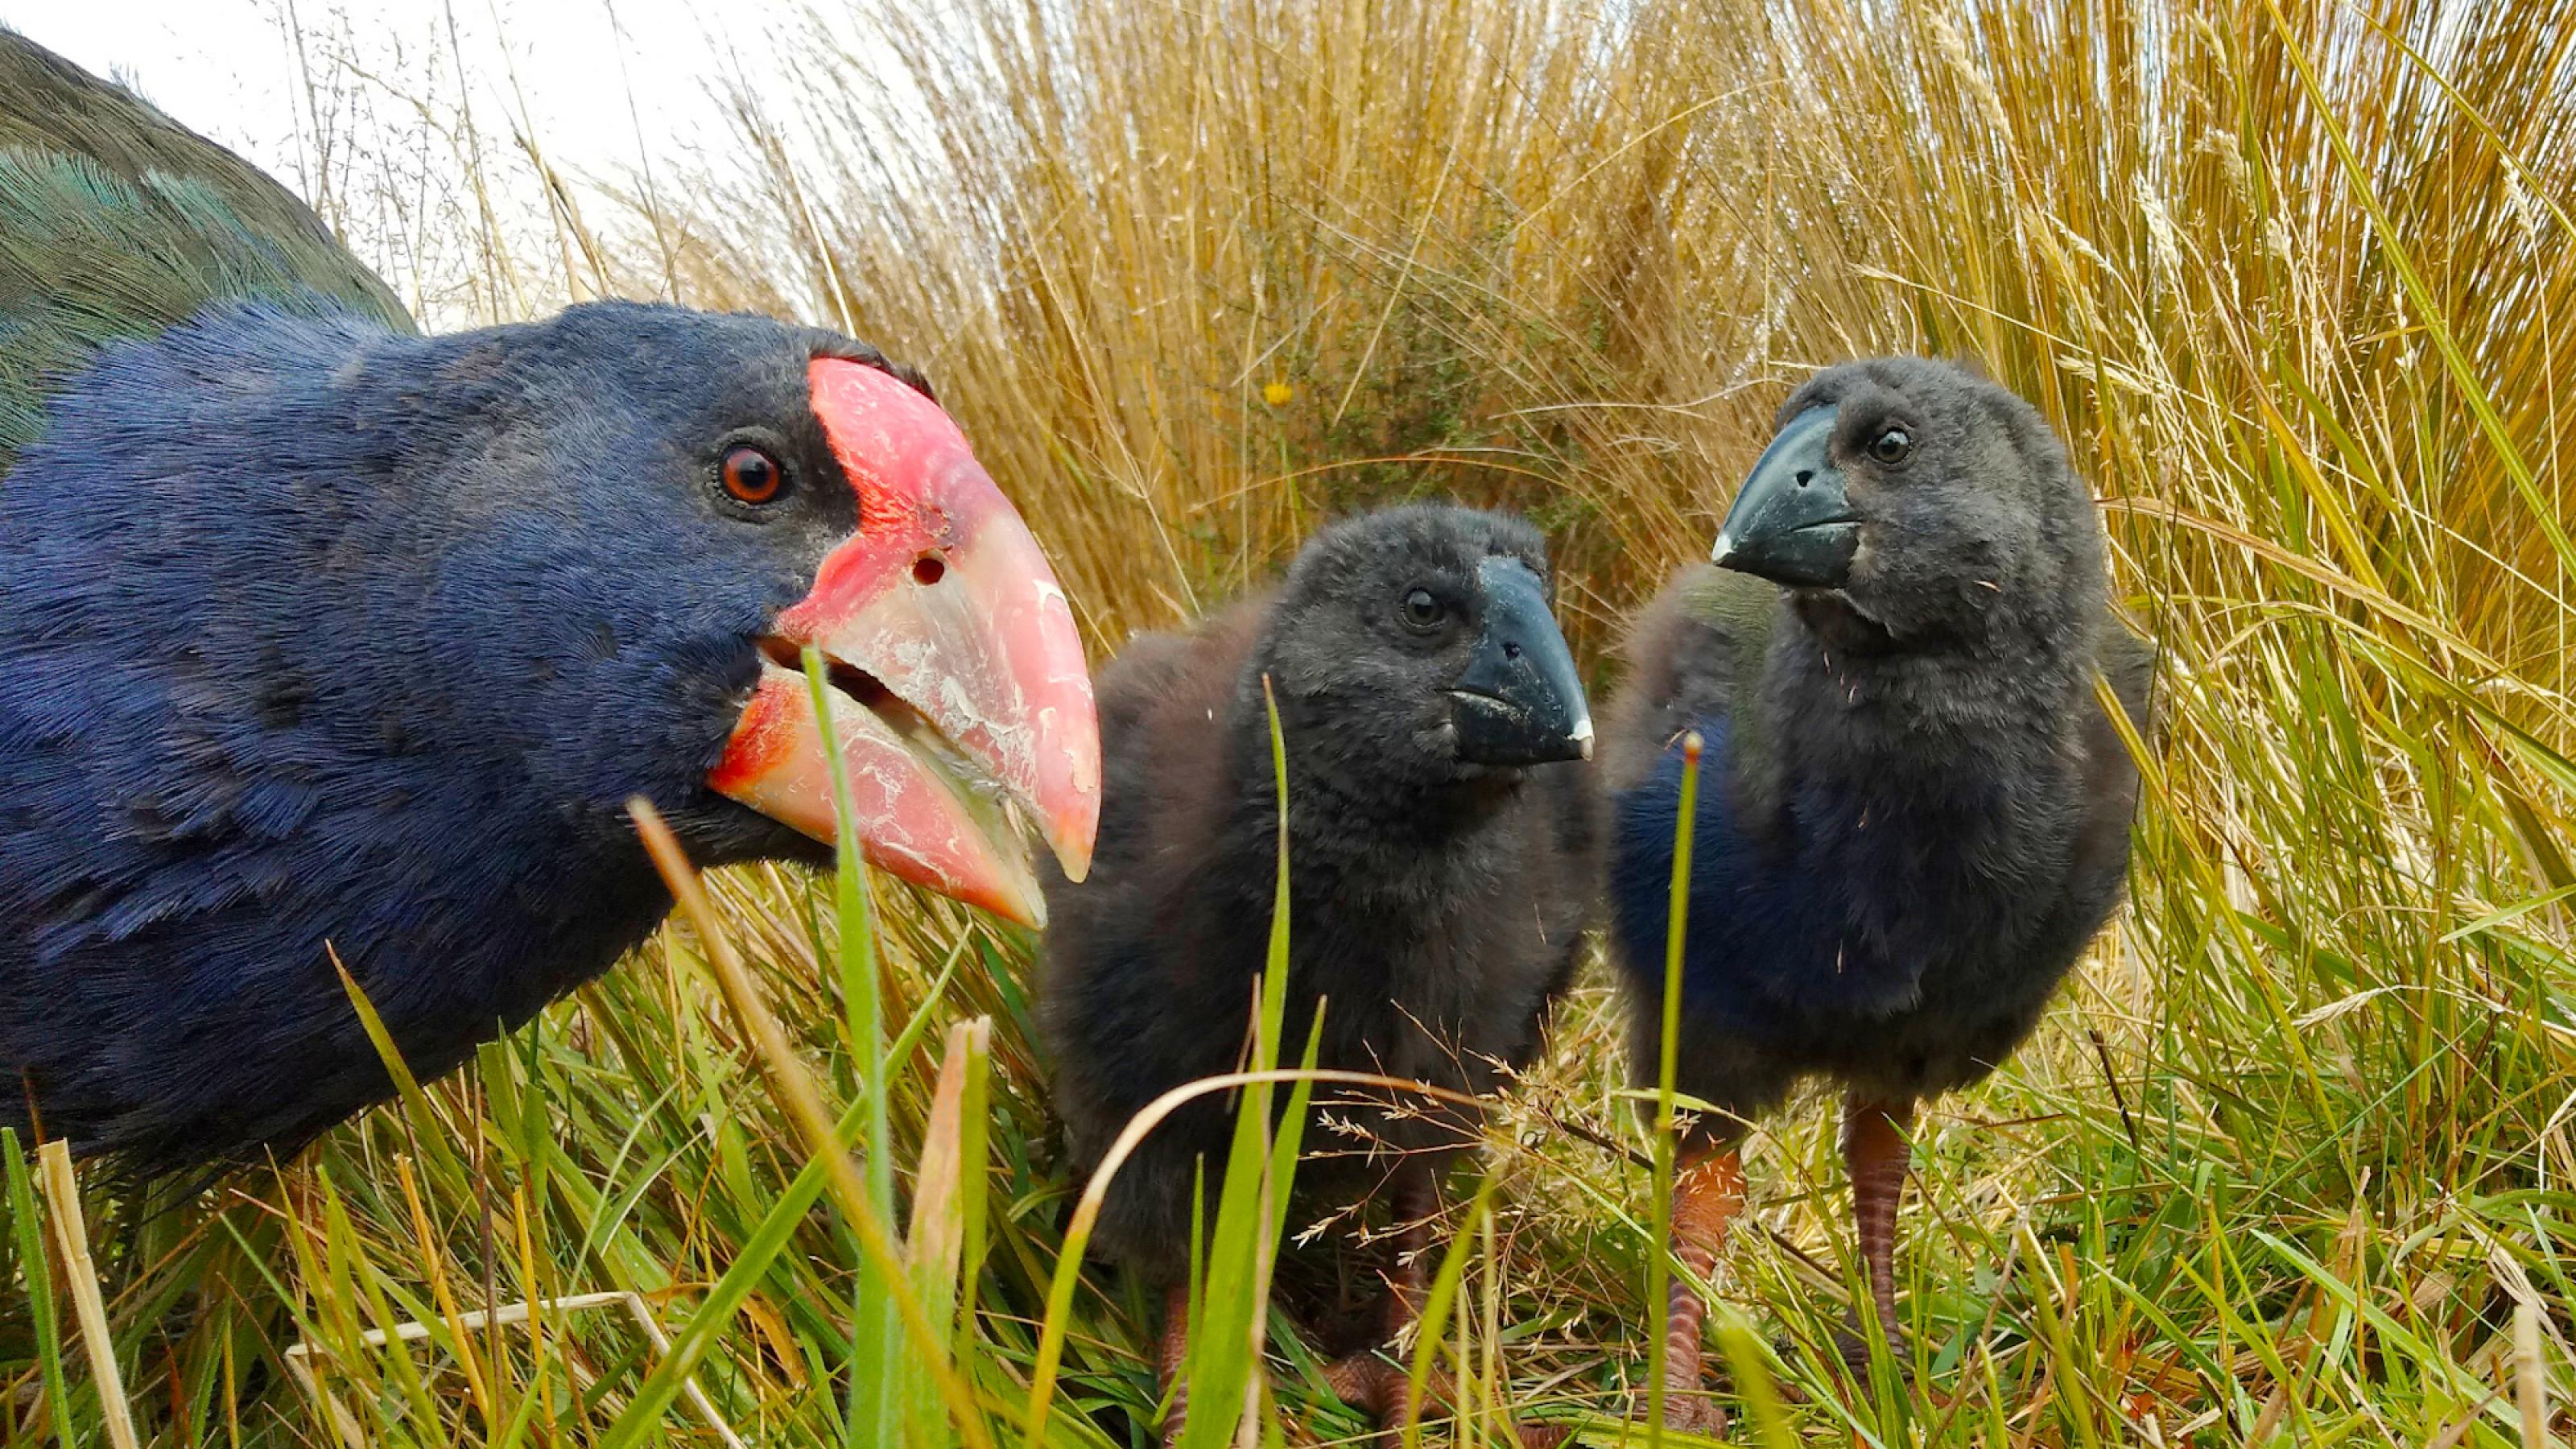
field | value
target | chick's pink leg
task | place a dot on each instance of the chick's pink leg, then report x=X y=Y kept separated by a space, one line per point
x=1875 y=1154
x=1708 y=1194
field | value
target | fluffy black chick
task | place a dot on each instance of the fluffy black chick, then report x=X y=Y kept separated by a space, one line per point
x=1442 y=855
x=1913 y=811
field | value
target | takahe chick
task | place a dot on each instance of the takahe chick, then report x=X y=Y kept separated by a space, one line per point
x=327 y=641
x=1442 y=857
x=1913 y=811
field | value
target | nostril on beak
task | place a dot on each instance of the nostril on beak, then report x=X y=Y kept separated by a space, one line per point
x=927 y=569
x=1806 y=476
x=1511 y=650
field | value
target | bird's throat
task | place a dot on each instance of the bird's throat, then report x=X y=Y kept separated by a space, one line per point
x=1831 y=616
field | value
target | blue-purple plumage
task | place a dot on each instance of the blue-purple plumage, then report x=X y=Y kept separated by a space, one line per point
x=326 y=638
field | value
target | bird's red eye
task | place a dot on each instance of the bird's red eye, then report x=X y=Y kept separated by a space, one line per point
x=752 y=476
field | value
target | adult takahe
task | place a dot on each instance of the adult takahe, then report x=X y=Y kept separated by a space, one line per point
x=321 y=637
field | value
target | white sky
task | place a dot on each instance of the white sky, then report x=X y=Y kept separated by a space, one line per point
x=226 y=68
x=602 y=85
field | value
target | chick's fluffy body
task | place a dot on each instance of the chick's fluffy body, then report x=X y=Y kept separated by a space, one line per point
x=1438 y=908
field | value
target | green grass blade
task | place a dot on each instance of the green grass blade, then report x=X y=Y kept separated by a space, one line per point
x=1438 y=1306
x=1659 y=1268
x=768 y=1240
x=37 y=1266
x=1225 y=1353
x=876 y=1373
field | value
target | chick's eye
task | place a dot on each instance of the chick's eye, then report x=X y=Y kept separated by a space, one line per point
x=1891 y=446
x=751 y=475
x=1422 y=610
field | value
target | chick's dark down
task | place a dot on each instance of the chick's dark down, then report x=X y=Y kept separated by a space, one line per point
x=1438 y=905
x=1913 y=808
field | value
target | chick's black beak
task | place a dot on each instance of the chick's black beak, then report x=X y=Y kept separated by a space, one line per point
x=1792 y=522
x=1520 y=701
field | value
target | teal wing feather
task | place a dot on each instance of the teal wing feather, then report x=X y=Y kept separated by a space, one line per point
x=116 y=222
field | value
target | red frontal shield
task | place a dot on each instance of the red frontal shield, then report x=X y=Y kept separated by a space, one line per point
x=961 y=689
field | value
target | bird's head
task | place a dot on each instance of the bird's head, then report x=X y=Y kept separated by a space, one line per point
x=1425 y=634
x=1909 y=503
x=679 y=505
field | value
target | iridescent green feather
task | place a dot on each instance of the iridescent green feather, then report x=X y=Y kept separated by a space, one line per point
x=116 y=222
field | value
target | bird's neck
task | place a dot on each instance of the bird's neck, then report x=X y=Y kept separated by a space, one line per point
x=1942 y=743
x=1861 y=691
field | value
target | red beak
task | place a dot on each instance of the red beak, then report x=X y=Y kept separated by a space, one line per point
x=959 y=682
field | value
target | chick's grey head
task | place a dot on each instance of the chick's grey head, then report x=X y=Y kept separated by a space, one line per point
x=1417 y=643
x=1909 y=503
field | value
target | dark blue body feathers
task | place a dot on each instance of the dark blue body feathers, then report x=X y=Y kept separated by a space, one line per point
x=323 y=637
x=1896 y=933
x=1773 y=947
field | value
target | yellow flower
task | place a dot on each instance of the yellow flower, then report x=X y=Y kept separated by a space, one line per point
x=1277 y=394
